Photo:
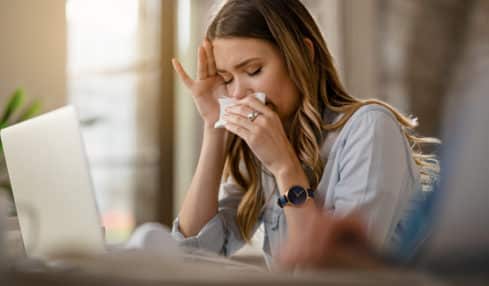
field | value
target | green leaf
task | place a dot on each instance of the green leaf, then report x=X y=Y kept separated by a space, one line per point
x=15 y=101
x=31 y=111
x=7 y=187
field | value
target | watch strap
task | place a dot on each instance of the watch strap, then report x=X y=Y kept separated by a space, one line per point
x=282 y=201
x=310 y=193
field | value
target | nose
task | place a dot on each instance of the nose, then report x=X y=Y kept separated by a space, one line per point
x=240 y=91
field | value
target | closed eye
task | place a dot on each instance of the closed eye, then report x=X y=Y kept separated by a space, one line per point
x=228 y=81
x=257 y=71
x=253 y=73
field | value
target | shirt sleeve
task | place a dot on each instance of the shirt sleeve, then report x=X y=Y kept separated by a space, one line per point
x=221 y=234
x=373 y=172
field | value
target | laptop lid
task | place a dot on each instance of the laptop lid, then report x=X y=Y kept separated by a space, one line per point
x=51 y=185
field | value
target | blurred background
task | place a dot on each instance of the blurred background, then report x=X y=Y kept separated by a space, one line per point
x=111 y=59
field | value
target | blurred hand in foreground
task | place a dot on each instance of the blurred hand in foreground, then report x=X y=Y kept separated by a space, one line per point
x=326 y=241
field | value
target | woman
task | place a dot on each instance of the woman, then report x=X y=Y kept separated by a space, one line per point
x=311 y=139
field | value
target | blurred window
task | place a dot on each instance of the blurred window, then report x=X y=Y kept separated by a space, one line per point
x=113 y=80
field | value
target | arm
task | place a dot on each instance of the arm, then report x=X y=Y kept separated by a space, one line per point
x=200 y=204
x=326 y=241
x=373 y=167
x=268 y=141
x=201 y=201
x=220 y=234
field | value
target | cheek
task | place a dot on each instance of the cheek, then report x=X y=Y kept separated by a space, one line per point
x=289 y=103
x=286 y=98
x=283 y=101
x=281 y=92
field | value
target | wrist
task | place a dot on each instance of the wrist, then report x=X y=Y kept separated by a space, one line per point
x=295 y=196
x=291 y=175
x=214 y=139
x=297 y=216
x=209 y=130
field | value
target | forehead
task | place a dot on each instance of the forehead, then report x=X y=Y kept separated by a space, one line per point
x=229 y=52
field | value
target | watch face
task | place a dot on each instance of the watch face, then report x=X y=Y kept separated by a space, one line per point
x=297 y=195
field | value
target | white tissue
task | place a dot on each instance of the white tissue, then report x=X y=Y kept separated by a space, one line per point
x=228 y=101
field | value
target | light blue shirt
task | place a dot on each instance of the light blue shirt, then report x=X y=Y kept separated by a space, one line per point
x=369 y=170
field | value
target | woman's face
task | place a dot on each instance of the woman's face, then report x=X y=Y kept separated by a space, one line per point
x=250 y=65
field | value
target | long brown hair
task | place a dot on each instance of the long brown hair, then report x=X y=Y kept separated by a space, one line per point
x=286 y=23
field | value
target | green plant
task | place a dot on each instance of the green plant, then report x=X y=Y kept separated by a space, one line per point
x=13 y=113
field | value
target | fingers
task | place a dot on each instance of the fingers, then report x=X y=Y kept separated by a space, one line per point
x=237 y=121
x=255 y=104
x=202 y=72
x=244 y=109
x=236 y=127
x=206 y=65
x=239 y=109
x=211 y=63
x=238 y=115
x=181 y=72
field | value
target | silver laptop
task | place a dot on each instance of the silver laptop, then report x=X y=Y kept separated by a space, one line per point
x=51 y=185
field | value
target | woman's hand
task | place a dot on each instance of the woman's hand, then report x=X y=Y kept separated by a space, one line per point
x=265 y=135
x=326 y=241
x=207 y=87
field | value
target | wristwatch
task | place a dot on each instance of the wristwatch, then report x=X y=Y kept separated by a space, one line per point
x=295 y=196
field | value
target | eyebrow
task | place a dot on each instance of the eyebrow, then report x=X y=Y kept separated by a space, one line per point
x=240 y=65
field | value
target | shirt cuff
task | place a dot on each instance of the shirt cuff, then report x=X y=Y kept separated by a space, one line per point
x=210 y=237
